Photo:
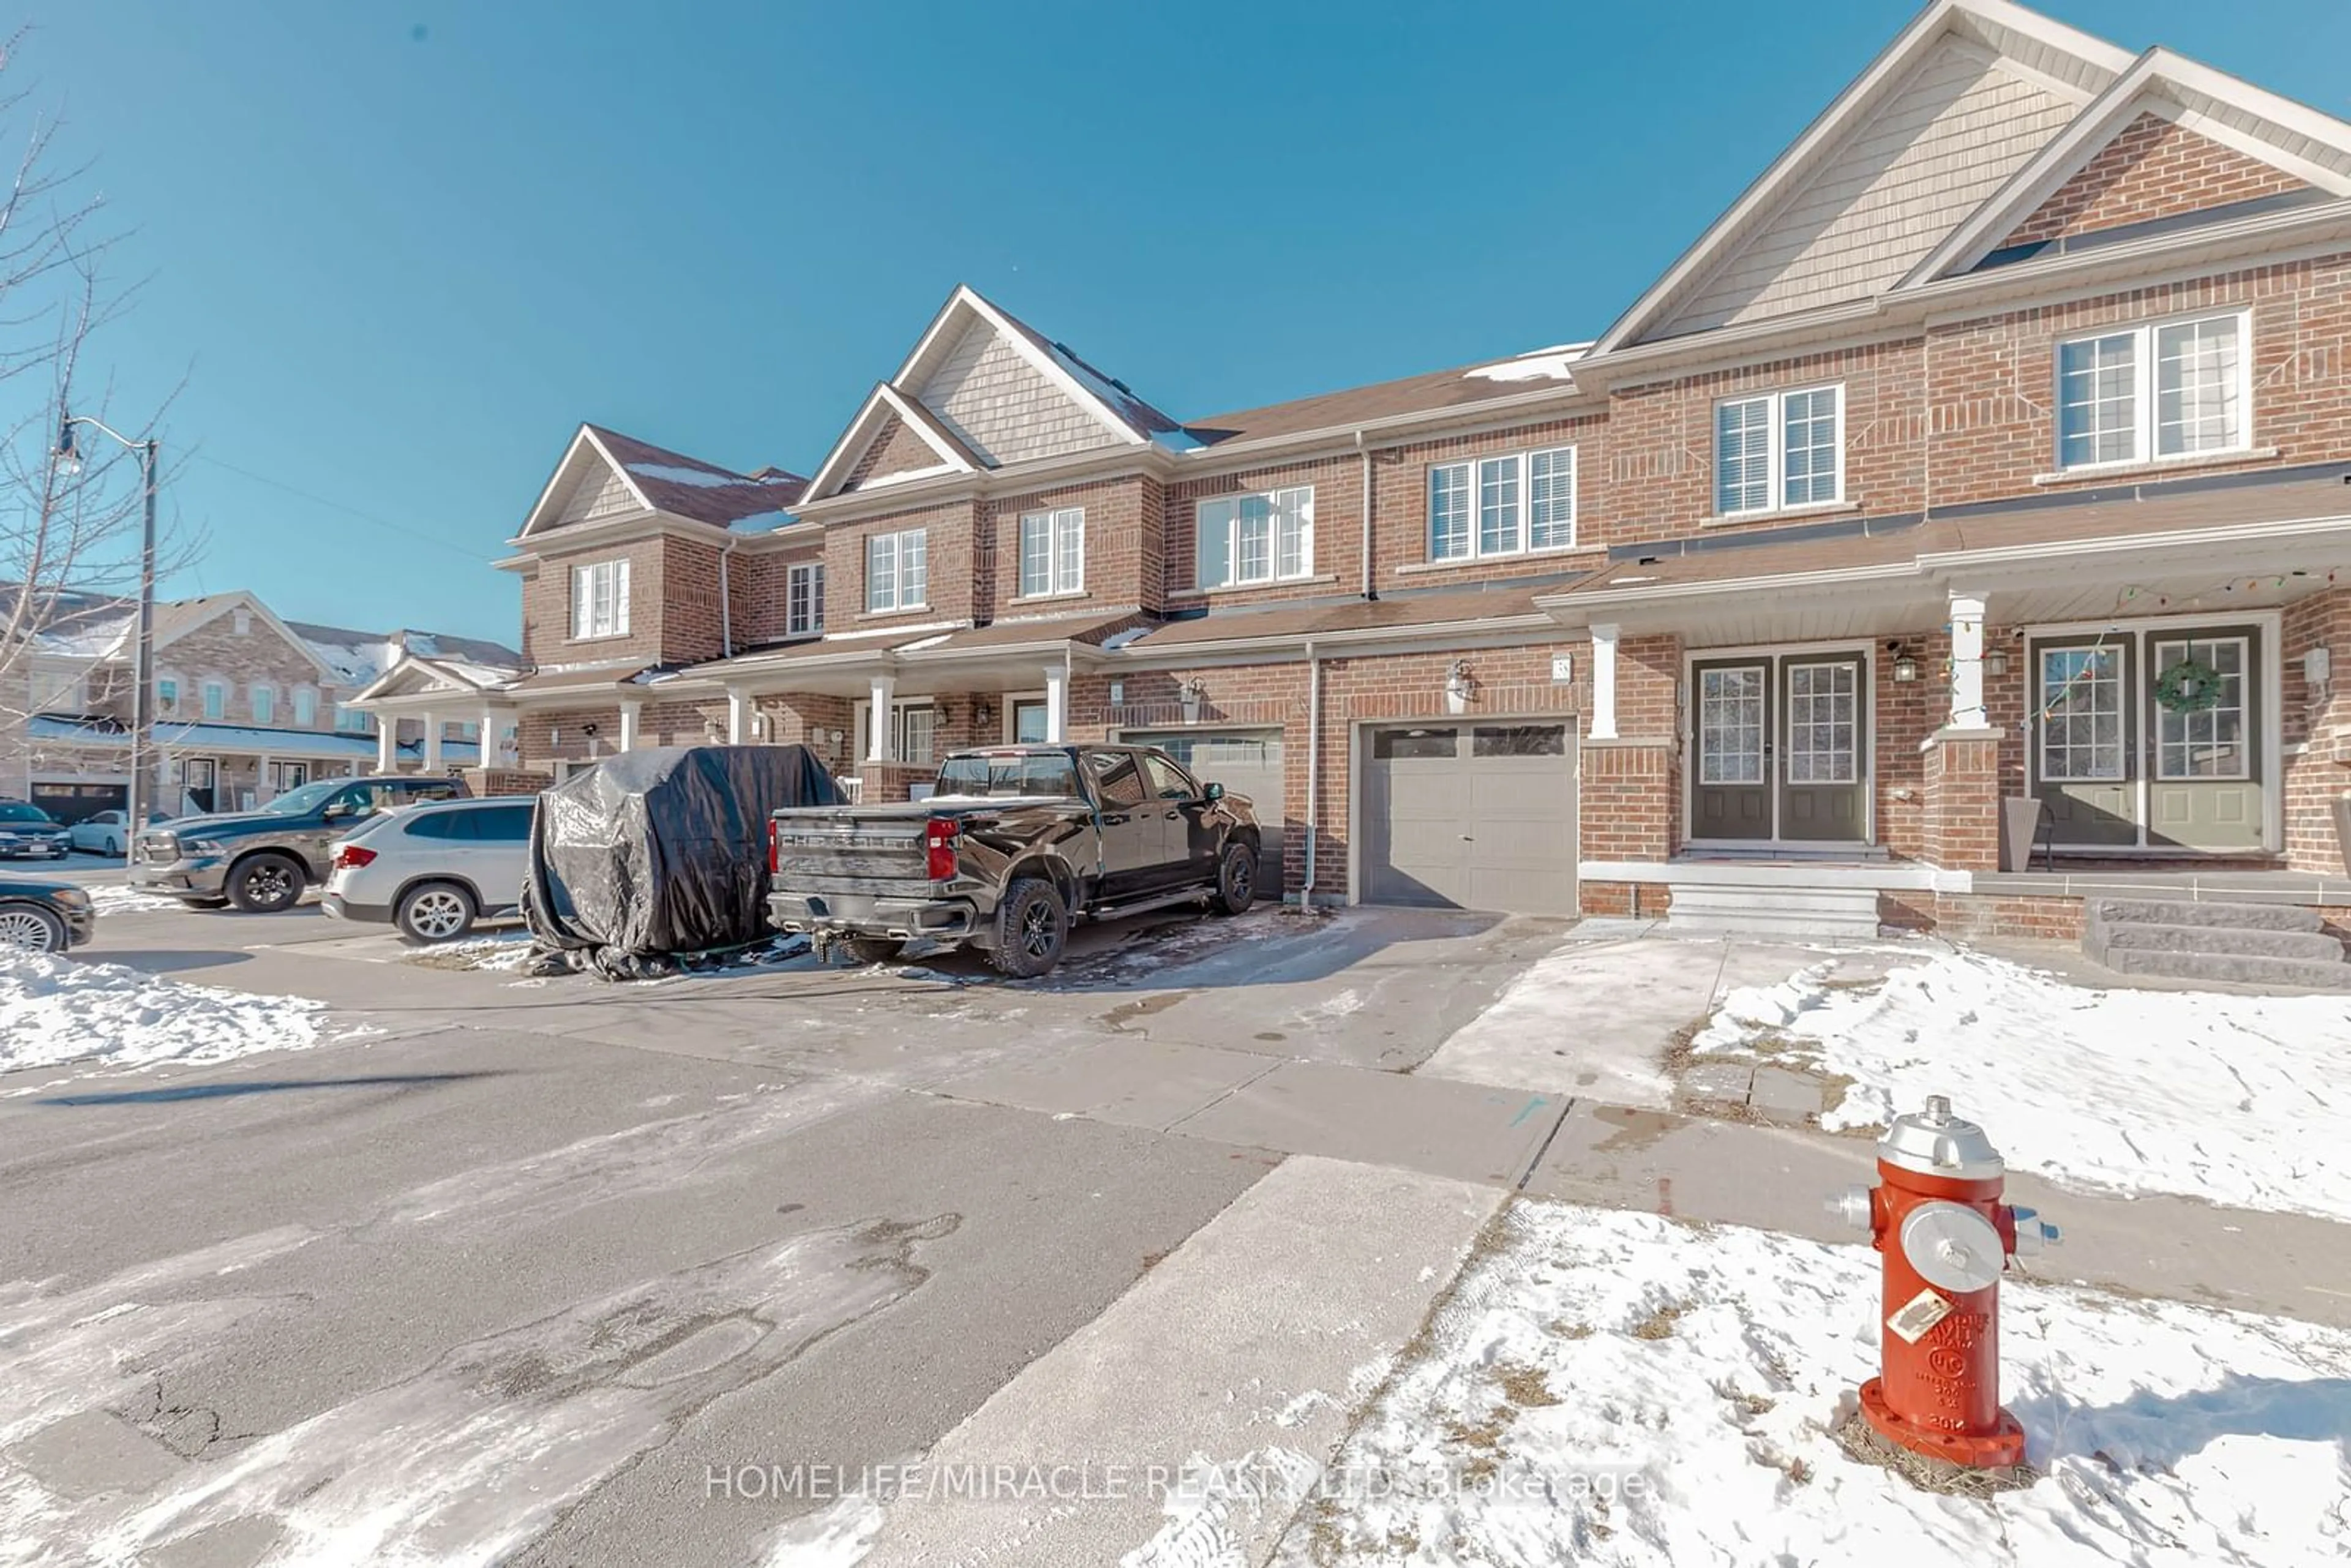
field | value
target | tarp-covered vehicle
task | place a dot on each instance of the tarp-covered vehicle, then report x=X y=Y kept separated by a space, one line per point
x=655 y=854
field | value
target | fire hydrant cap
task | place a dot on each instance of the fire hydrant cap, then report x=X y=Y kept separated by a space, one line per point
x=1933 y=1141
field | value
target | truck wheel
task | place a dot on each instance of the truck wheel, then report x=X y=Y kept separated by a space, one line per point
x=871 y=949
x=1032 y=925
x=265 y=883
x=1235 y=879
x=435 y=912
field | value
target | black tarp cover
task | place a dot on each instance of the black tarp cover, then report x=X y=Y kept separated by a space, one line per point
x=663 y=851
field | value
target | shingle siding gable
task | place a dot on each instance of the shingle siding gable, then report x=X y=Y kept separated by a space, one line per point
x=1943 y=143
x=1003 y=407
x=600 y=494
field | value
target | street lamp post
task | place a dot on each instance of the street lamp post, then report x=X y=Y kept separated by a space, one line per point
x=142 y=701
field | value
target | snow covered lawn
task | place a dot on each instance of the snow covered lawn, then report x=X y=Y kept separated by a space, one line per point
x=1672 y=1388
x=2239 y=1100
x=55 y=1011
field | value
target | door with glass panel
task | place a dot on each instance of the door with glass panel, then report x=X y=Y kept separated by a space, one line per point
x=2204 y=788
x=1730 y=790
x=2149 y=739
x=1822 y=793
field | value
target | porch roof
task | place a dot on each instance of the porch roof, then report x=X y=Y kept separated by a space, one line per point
x=922 y=659
x=2259 y=539
x=1491 y=608
x=233 y=740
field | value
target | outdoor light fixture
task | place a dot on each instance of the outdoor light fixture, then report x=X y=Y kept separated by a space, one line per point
x=982 y=714
x=1905 y=669
x=2317 y=665
x=1193 y=690
x=1996 y=661
x=1456 y=687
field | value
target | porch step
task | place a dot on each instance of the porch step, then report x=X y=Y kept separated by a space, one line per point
x=1705 y=909
x=2258 y=942
x=2187 y=912
x=2247 y=944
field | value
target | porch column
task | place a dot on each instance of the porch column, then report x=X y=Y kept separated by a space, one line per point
x=738 y=717
x=1603 y=683
x=877 y=720
x=492 y=722
x=630 y=714
x=1057 y=704
x=432 y=741
x=387 y=742
x=262 y=794
x=1967 y=661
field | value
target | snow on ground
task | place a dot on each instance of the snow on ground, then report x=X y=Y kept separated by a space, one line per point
x=2236 y=1099
x=113 y=898
x=55 y=1011
x=1615 y=1389
x=510 y=950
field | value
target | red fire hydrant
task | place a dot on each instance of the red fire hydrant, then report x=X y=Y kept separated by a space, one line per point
x=1937 y=1218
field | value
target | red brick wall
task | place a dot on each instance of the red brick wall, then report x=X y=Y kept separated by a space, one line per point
x=961 y=572
x=546 y=639
x=1122 y=528
x=898 y=449
x=1338 y=553
x=2318 y=719
x=2154 y=169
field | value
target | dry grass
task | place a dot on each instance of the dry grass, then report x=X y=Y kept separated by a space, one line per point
x=1525 y=1386
x=1659 y=1324
x=1862 y=1445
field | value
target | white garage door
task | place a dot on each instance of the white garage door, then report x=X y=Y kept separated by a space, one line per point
x=1470 y=816
x=1246 y=762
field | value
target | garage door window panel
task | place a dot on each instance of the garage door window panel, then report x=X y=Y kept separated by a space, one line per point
x=1406 y=745
x=1518 y=740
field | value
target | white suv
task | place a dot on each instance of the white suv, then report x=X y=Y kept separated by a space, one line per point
x=433 y=870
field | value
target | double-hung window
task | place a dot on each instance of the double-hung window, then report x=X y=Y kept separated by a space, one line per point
x=215 y=700
x=351 y=721
x=1779 y=450
x=264 y=699
x=305 y=708
x=804 y=600
x=1504 y=505
x=600 y=599
x=1246 y=540
x=1053 y=552
x=2137 y=394
x=897 y=569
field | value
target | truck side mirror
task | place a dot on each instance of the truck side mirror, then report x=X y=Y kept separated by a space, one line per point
x=1212 y=793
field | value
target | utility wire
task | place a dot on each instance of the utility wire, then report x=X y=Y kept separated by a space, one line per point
x=402 y=529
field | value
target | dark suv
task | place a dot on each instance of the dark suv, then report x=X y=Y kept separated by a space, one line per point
x=260 y=861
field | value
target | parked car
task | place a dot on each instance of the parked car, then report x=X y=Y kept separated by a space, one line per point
x=27 y=832
x=103 y=834
x=38 y=916
x=433 y=870
x=1016 y=843
x=261 y=861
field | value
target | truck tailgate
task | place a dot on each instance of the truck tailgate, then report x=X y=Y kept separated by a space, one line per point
x=848 y=851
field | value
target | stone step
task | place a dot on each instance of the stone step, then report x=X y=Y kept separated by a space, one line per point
x=2183 y=912
x=2314 y=945
x=1705 y=910
x=2241 y=968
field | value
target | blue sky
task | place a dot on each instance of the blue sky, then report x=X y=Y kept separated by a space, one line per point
x=398 y=252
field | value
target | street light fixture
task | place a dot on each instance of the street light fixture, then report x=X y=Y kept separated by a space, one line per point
x=142 y=716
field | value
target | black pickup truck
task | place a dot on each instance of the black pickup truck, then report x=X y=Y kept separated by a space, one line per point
x=1018 y=841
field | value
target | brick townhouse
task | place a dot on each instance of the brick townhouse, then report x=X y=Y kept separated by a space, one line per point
x=1991 y=448
x=246 y=706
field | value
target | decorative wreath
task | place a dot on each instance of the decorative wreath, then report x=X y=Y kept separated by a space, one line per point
x=2191 y=685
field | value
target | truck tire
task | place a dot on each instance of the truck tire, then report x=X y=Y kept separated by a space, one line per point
x=871 y=949
x=266 y=882
x=1236 y=878
x=1032 y=925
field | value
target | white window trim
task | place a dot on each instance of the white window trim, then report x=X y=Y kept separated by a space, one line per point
x=253 y=696
x=302 y=697
x=1775 y=430
x=2246 y=677
x=2143 y=397
x=1054 y=519
x=205 y=689
x=582 y=625
x=1305 y=572
x=1524 y=462
x=1011 y=700
x=812 y=571
x=899 y=603
x=862 y=715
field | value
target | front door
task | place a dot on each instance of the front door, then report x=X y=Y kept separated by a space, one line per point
x=1731 y=795
x=2149 y=738
x=1822 y=744
x=1783 y=749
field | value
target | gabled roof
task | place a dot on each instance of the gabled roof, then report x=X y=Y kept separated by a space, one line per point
x=2297 y=139
x=2057 y=62
x=175 y=618
x=413 y=674
x=1463 y=387
x=1112 y=411
x=668 y=483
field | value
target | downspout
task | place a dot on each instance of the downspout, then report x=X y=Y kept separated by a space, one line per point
x=1314 y=766
x=726 y=602
x=1370 y=590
